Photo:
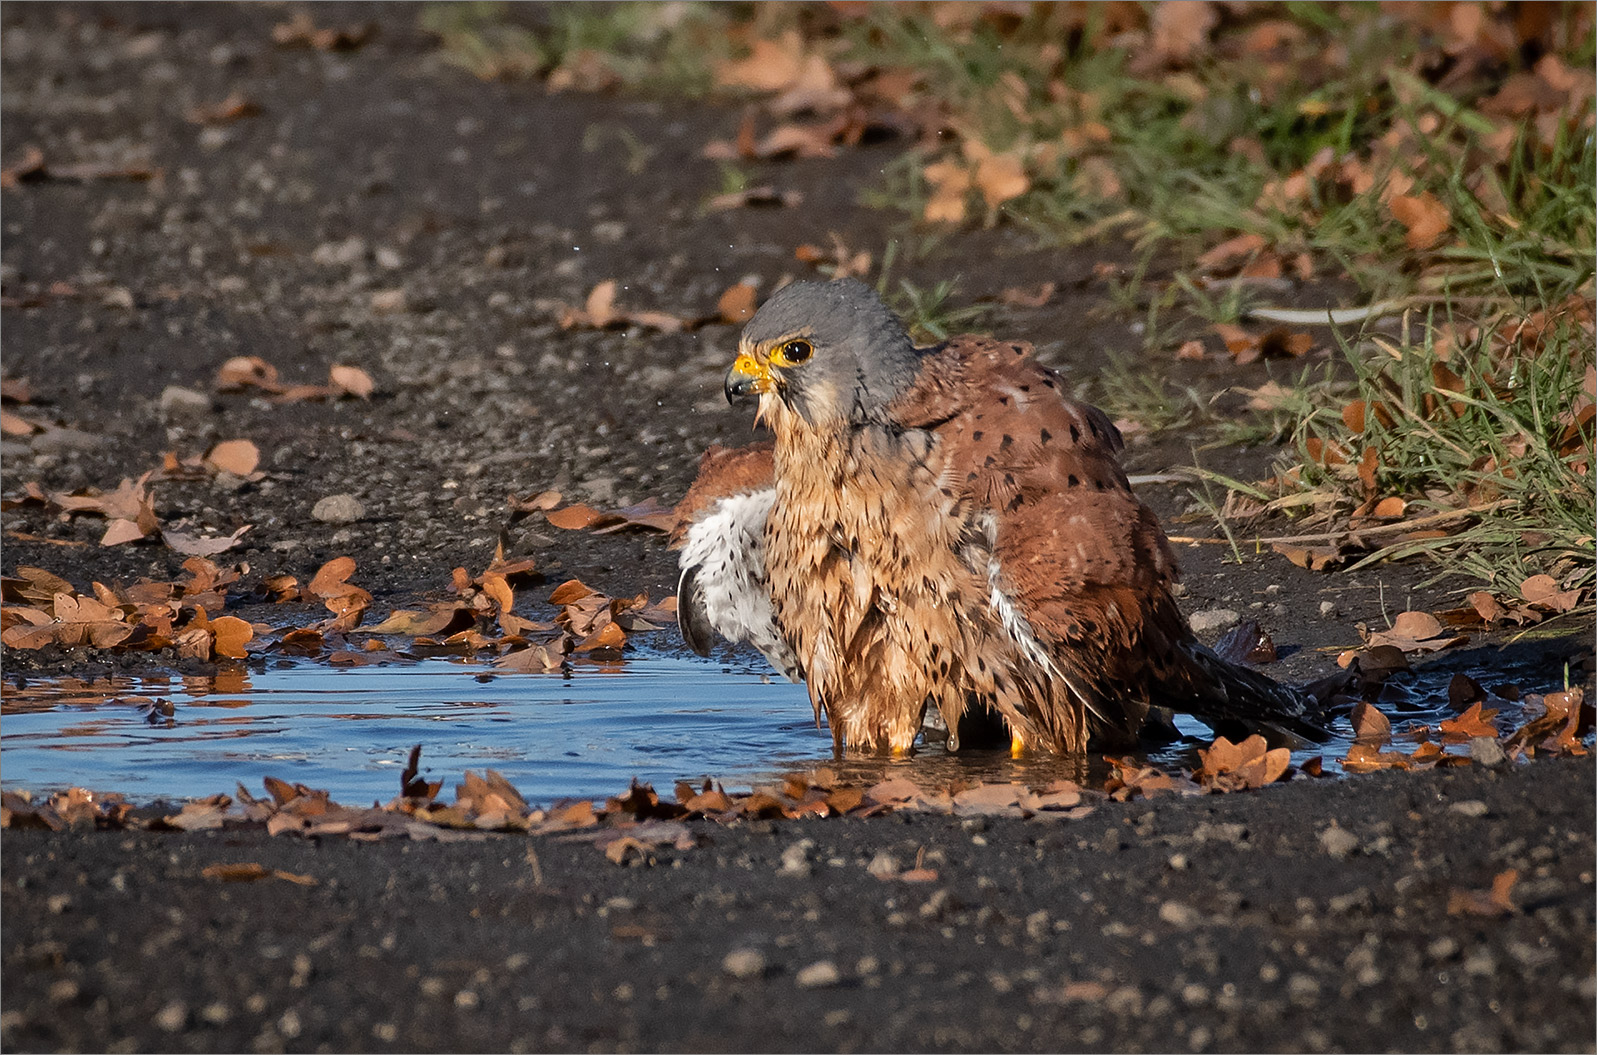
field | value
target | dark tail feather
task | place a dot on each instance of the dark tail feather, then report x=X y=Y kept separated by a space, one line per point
x=692 y=618
x=1231 y=692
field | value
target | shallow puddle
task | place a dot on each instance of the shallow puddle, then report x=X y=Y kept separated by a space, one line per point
x=658 y=719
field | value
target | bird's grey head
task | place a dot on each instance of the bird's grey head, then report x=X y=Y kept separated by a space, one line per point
x=830 y=351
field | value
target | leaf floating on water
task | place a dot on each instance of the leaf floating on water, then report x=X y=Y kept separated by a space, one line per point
x=1471 y=724
x=1246 y=766
x=1370 y=725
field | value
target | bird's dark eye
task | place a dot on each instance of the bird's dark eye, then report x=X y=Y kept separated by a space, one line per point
x=794 y=352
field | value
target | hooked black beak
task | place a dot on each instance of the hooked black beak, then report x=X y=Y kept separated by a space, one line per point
x=747 y=378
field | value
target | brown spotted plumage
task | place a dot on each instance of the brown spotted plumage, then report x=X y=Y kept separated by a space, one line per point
x=946 y=528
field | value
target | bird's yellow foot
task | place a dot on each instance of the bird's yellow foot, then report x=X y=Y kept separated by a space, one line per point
x=1017 y=745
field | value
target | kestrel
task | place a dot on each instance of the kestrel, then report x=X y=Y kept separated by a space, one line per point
x=941 y=527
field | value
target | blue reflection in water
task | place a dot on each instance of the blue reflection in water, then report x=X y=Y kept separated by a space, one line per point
x=659 y=719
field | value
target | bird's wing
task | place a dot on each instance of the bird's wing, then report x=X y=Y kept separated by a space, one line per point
x=723 y=472
x=720 y=529
x=1079 y=558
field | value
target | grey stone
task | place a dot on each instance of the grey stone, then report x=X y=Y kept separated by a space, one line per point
x=60 y=441
x=180 y=402
x=1213 y=619
x=819 y=975
x=744 y=963
x=1487 y=751
x=1179 y=915
x=1338 y=842
x=883 y=866
x=173 y=1017
x=339 y=509
x=350 y=251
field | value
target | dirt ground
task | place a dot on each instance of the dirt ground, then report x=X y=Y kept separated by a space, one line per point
x=284 y=235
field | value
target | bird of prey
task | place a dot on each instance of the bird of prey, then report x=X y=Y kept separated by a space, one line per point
x=941 y=528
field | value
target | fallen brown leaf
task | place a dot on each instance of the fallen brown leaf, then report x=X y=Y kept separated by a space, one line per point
x=1027 y=296
x=350 y=380
x=1238 y=767
x=1543 y=591
x=231 y=109
x=239 y=457
x=1472 y=723
x=1314 y=558
x=1494 y=902
x=736 y=305
x=1370 y=725
x=1232 y=253
x=1423 y=215
x=194 y=546
x=301 y=31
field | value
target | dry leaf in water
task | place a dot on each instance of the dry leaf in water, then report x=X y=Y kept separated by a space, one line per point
x=1472 y=723
x=1227 y=766
x=1369 y=724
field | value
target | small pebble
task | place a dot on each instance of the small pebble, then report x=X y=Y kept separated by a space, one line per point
x=795 y=861
x=173 y=1017
x=1213 y=619
x=744 y=963
x=1470 y=807
x=388 y=301
x=883 y=866
x=1178 y=915
x=180 y=402
x=1328 y=610
x=339 y=509
x=1338 y=842
x=819 y=975
x=350 y=251
x=60 y=441
x=1486 y=751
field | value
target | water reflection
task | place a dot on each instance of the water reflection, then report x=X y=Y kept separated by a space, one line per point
x=348 y=729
